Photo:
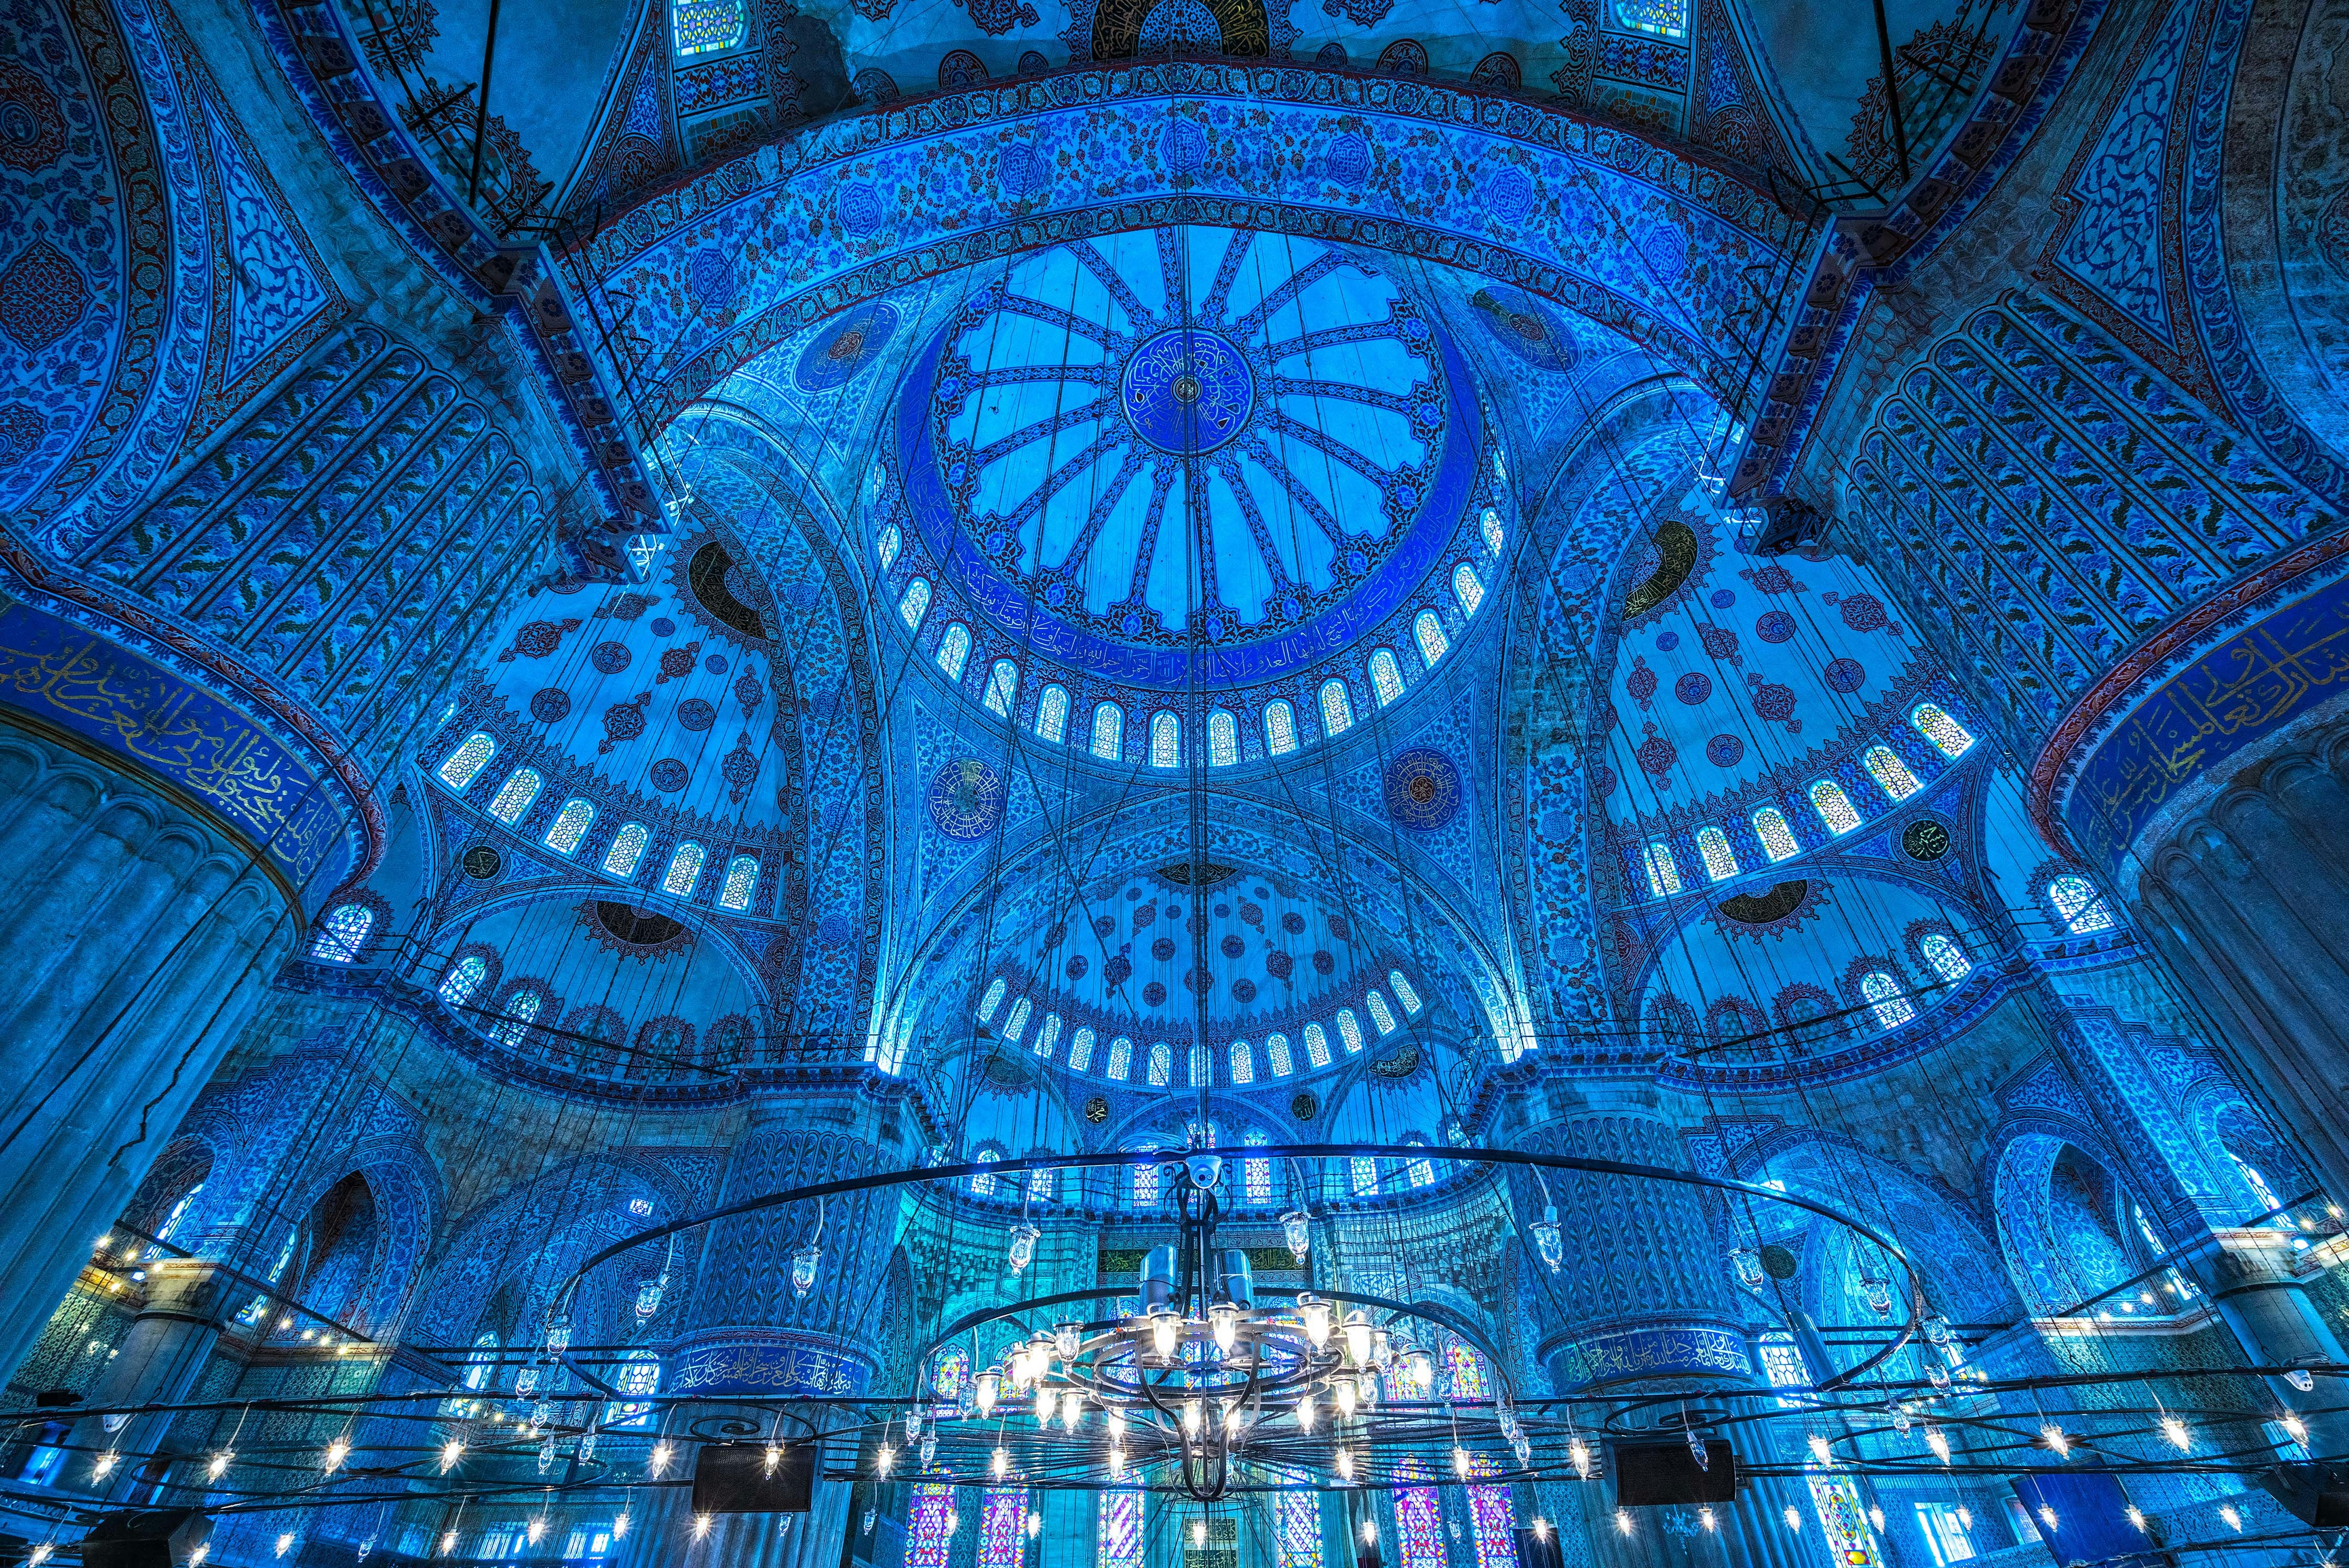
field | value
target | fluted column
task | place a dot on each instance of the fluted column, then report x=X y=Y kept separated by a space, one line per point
x=141 y=938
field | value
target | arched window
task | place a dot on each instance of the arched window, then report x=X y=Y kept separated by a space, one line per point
x=628 y=848
x=1052 y=714
x=1834 y=807
x=2079 y=906
x=1146 y=1185
x=1467 y=588
x=478 y=1369
x=1884 y=998
x=463 y=978
x=1255 y=1175
x=465 y=764
x=639 y=1380
x=991 y=1001
x=1777 y=838
x=1365 y=1174
x=1945 y=957
x=741 y=877
x=1891 y=773
x=886 y=547
x=515 y=796
x=1276 y=1051
x=514 y=1023
x=705 y=27
x=1121 y=1058
x=1015 y=1023
x=1162 y=1064
x=982 y=1182
x=1002 y=687
x=1349 y=1031
x=1712 y=848
x=343 y=934
x=1428 y=632
x=1419 y=1169
x=1243 y=1057
x=1317 y=1045
x=1664 y=18
x=569 y=826
x=1465 y=1370
x=1386 y=676
x=1337 y=708
x=2253 y=1178
x=1222 y=739
x=1165 y=739
x=1279 y=727
x=1663 y=870
x=180 y=1212
x=916 y=604
x=684 y=869
x=1081 y=1049
x=1048 y=1034
x=1195 y=1061
x=954 y=649
x=1043 y=1184
x=1494 y=537
x=1403 y=992
x=1108 y=731
x=1949 y=737
x=1379 y=1013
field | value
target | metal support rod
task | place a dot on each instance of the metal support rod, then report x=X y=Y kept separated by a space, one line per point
x=1891 y=90
x=489 y=58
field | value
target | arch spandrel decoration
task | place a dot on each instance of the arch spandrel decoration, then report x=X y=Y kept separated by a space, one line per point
x=884 y=199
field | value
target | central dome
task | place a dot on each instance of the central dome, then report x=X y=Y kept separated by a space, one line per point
x=1187 y=455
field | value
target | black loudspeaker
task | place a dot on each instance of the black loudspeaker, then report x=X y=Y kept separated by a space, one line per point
x=1649 y=1474
x=2313 y=1494
x=151 y=1540
x=735 y=1478
x=1538 y=1548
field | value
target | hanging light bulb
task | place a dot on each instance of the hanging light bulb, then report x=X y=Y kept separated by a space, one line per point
x=1047 y=1402
x=1939 y=1376
x=1315 y=1314
x=914 y=1419
x=42 y=1554
x=1072 y=1409
x=537 y=1531
x=219 y=1463
x=1579 y=1452
x=1820 y=1451
x=336 y=1452
x=884 y=1460
x=954 y=1522
x=1306 y=1412
x=1523 y=1446
x=1116 y=1462
x=2056 y=1439
x=1936 y=1329
x=1460 y=1462
x=1345 y=1464
x=1116 y=1425
x=701 y=1526
x=2234 y=1520
x=1547 y=1239
x=1965 y=1517
x=1035 y=1525
x=284 y=1544
x=2135 y=1517
x=546 y=1455
x=1357 y=1338
x=929 y=1446
x=203 y=1549
x=804 y=1267
x=1794 y=1518
x=1191 y=1417
x=774 y=1457
x=1696 y=1448
x=1900 y=1417
x=986 y=1385
x=1370 y=1532
x=1164 y=1324
x=2047 y=1516
x=1878 y=1294
x=1068 y=1338
x=1420 y=1367
x=1297 y=1232
x=1225 y=1319
x=1001 y=1464
x=105 y=1465
x=1541 y=1528
x=2174 y=1430
x=448 y=1543
x=1343 y=1387
x=1623 y=1520
x=1704 y=1517
x=1023 y=1248
x=1876 y=1517
x=659 y=1463
x=2294 y=1427
x=620 y=1526
x=1232 y=1419
x=2302 y=1378
x=1367 y=1385
x=1939 y=1443
x=1747 y=1262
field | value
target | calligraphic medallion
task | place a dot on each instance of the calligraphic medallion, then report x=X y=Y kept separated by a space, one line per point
x=482 y=862
x=1926 y=839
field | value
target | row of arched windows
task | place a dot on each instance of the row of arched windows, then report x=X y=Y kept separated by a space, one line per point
x=1835 y=813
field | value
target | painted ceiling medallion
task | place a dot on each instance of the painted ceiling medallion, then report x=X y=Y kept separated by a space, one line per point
x=1422 y=789
x=966 y=798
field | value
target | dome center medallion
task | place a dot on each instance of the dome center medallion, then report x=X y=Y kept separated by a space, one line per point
x=1187 y=390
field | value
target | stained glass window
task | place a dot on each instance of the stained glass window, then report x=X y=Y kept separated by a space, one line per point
x=982 y=1182
x=1403 y=992
x=1466 y=588
x=1781 y=1363
x=886 y=547
x=1002 y=1521
x=639 y=1380
x=1196 y=1062
x=916 y=604
x=1364 y=1175
x=1889 y=772
x=1428 y=632
x=1317 y=1046
x=684 y=869
x=1162 y=1064
x=515 y=796
x=1834 y=807
x=1664 y=871
x=1042 y=1184
x=1337 y=708
x=1419 y=1170
x=1664 y=18
x=1108 y=731
x=1276 y=1051
x=1002 y=686
x=1379 y=1013
x=1419 y=1526
x=1255 y=1175
x=1712 y=847
x=927 y=1545
x=343 y=934
x=992 y=1000
x=954 y=649
x=953 y=1372
x=1945 y=957
x=1777 y=838
x=1048 y=1034
x=1165 y=739
x=1494 y=1521
x=1052 y=714
x=463 y=978
x=466 y=762
x=1015 y=1023
x=741 y=877
x=1883 y=995
x=628 y=848
x=1386 y=676
x=2082 y=908
x=1243 y=1056
x=1222 y=739
x=520 y=1010
x=1279 y=728
x=1350 y=1029
x=1464 y=1372
x=1080 y=1048
x=705 y=27
x=1297 y=1530
x=1121 y=1058
x=1145 y=1186
x=1121 y=1531
x=1950 y=737
x=569 y=826
x=1494 y=537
